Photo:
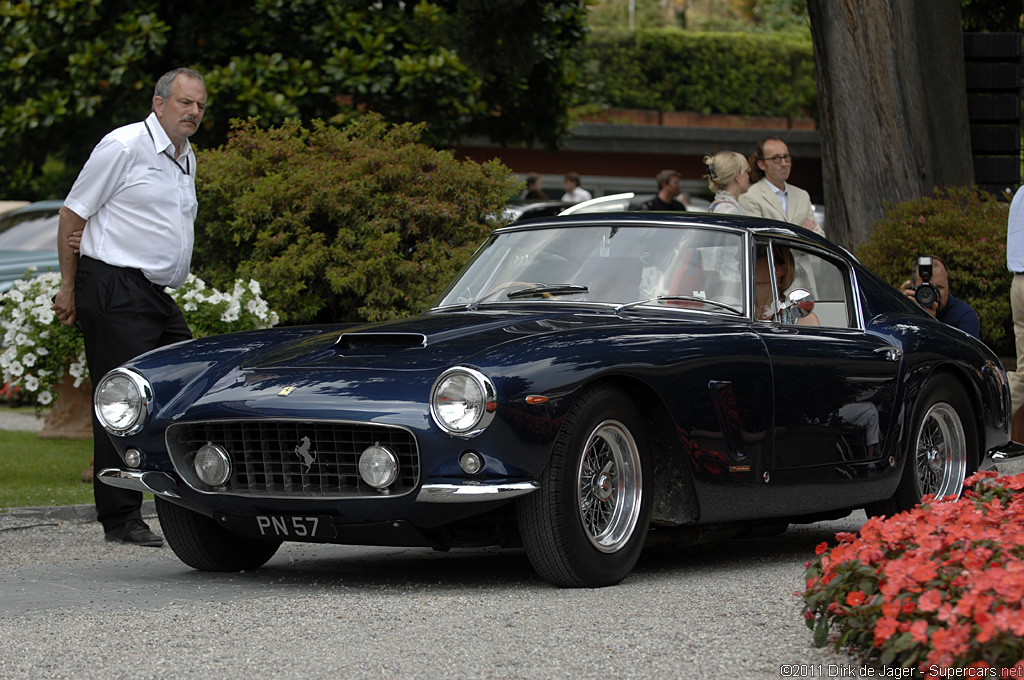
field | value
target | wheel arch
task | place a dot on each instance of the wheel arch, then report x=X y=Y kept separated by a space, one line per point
x=959 y=376
x=675 y=499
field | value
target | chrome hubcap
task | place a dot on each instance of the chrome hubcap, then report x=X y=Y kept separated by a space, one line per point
x=608 y=480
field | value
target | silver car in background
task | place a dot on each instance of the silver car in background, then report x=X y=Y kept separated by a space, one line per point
x=28 y=238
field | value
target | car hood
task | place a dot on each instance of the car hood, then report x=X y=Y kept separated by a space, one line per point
x=428 y=342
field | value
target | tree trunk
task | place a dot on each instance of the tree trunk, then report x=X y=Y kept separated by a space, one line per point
x=892 y=103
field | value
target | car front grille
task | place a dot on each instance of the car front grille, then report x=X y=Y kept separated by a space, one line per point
x=271 y=459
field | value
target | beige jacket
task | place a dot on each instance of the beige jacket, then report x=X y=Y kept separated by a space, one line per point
x=760 y=200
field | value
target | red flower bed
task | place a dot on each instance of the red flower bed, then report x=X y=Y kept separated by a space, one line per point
x=936 y=588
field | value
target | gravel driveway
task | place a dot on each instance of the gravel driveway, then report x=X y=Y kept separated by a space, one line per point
x=75 y=606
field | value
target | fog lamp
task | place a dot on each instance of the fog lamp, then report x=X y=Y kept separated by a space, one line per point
x=471 y=462
x=378 y=466
x=133 y=458
x=212 y=464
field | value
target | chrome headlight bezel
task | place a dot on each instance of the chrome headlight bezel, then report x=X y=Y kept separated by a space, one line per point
x=137 y=400
x=485 y=397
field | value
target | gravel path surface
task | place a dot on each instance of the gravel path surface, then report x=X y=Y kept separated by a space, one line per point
x=75 y=606
x=28 y=422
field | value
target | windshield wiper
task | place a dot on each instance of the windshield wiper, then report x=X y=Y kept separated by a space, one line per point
x=548 y=290
x=540 y=289
x=684 y=298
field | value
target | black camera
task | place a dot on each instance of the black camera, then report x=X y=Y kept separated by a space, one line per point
x=925 y=293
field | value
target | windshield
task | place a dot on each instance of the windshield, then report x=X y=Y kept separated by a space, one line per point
x=608 y=264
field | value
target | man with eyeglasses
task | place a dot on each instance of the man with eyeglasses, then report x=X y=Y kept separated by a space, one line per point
x=133 y=207
x=772 y=196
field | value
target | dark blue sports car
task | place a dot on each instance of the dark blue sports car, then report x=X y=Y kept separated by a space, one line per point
x=589 y=384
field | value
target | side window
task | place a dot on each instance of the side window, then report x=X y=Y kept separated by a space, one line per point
x=827 y=283
x=792 y=268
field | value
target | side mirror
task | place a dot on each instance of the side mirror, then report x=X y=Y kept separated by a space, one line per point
x=800 y=301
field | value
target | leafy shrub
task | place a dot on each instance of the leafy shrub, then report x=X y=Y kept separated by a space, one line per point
x=967 y=229
x=733 y=73
x=939 y=586
x=358 y=223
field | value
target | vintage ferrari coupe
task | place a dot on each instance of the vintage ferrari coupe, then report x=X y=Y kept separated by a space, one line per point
x=587 y=385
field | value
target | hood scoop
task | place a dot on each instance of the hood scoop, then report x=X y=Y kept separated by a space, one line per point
x=356 y=342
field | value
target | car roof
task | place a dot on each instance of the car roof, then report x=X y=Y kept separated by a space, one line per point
x=755 y=224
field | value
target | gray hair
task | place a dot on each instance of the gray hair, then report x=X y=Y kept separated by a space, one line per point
x=163 y=86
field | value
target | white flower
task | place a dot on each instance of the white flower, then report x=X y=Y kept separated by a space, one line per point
x=44 y=315
x=44 y=398
x=15 y=369
x=254 y=286
x=231 y=313
x=29 y=359
x=42 y=351
x=31 y=383
x=190 y=306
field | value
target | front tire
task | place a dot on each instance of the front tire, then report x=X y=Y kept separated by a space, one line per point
x=586 y=525
x=941 y=450
x=200 y=543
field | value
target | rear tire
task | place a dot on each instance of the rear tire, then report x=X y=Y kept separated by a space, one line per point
x=942 y=449
x=587 y=524
x=200 y=543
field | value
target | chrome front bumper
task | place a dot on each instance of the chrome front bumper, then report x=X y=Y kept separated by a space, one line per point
x=157 y=483
x=162 y=484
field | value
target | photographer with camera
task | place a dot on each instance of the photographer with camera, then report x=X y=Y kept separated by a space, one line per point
x=930 y=289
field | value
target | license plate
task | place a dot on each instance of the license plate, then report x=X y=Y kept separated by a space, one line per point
x=295 y=527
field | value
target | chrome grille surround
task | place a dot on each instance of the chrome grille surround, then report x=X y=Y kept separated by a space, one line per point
x=266 y=460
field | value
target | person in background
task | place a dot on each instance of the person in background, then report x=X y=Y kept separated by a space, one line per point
x=573 y=192
x=668 y=190
x=534 y=188
x=728 y=175
x=948 y=309
x=1015 y=263
x=134 y=203
x=772 y=196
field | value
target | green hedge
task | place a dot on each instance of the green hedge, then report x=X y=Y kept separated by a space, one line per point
x=361 y=223
x=731 y=73
x=967 y=229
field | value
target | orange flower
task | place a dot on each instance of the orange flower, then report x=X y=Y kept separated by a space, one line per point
x=855 y=598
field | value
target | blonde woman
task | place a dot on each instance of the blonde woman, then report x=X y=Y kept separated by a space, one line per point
x=728 y=175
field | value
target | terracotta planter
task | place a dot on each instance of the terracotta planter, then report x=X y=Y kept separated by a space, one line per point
x=71 y=415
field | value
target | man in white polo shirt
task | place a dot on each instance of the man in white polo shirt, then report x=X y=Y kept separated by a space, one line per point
x=773 y=196
x=135 y=204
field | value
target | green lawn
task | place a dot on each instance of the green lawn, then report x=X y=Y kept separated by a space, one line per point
x=41 y=472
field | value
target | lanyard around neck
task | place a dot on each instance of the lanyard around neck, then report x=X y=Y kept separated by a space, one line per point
x=187 y=169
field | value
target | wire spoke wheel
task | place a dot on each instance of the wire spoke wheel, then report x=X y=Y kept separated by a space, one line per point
x=941 y=452
x=608 y=481
x=586 y=525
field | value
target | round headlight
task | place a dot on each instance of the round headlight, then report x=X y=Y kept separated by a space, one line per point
x=463 y=402
x=123 y=401
x=212 y=464
x=378 y=466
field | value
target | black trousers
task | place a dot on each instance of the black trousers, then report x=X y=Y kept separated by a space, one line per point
x=122 y=315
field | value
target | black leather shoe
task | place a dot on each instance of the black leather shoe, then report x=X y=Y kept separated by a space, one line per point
x=135 y=533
